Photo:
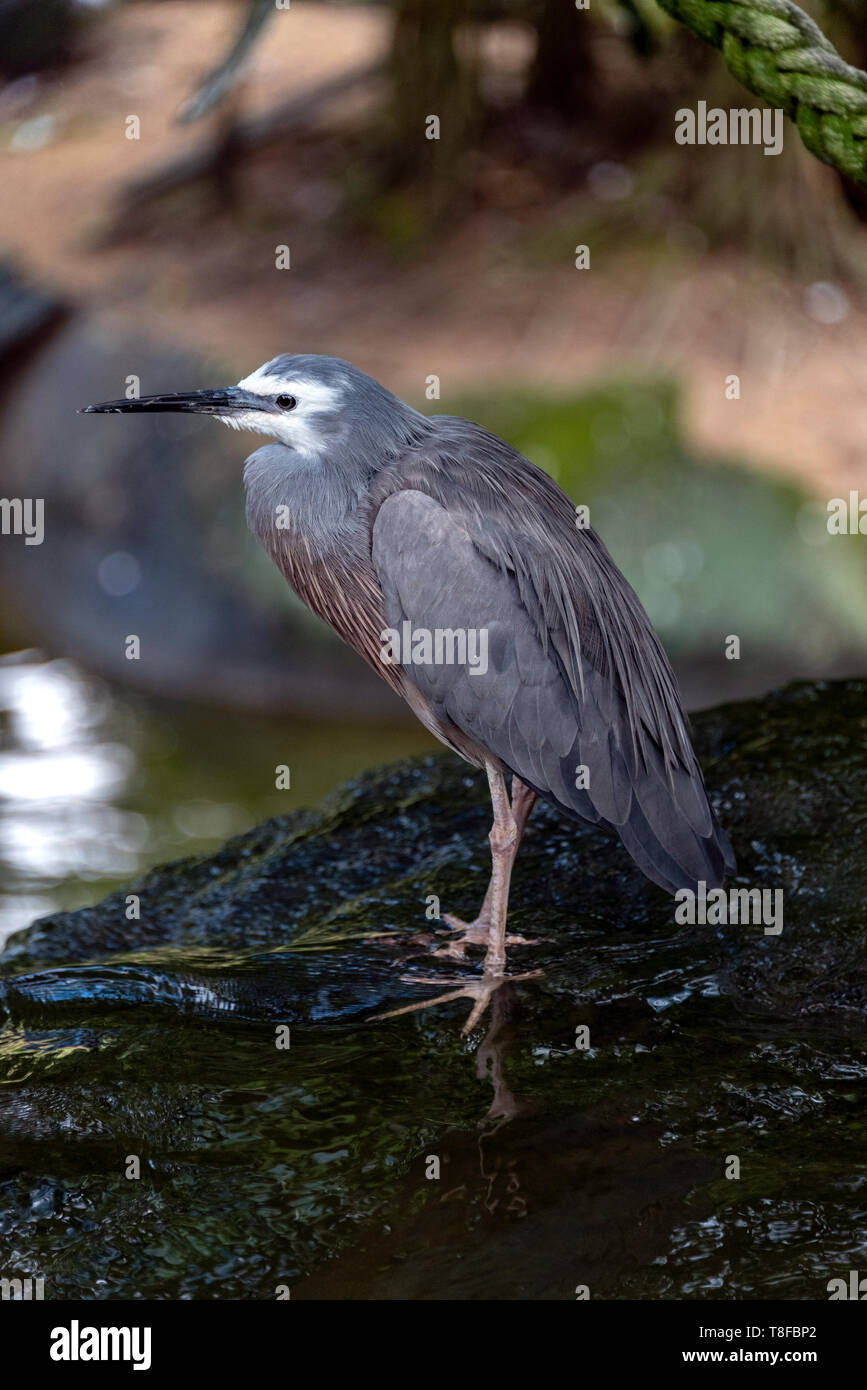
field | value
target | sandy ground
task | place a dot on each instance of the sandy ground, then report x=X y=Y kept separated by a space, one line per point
x=465 y=310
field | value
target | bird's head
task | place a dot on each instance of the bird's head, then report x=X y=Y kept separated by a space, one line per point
x=308 y=403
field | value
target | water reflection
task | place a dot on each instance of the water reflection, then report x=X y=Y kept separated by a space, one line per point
x=61 y=773
x=97 y=785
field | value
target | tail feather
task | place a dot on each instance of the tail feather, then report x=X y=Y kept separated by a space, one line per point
x=682 y=858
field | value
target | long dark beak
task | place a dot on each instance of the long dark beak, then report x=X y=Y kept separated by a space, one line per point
x=230 y=400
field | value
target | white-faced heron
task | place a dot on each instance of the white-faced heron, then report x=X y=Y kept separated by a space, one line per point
x=455 y=567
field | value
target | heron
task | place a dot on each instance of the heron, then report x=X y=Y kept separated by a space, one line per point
x=385 y=522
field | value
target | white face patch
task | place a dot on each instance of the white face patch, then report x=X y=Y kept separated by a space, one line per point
x=296 y=428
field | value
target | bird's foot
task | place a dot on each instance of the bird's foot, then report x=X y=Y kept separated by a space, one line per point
x=477 y=933
x=479 y=990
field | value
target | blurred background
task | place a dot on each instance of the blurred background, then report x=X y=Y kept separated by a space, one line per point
x=154 y=156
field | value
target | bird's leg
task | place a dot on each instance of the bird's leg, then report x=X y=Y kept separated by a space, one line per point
x=523 y=801
x=507 y=831
x=504 y=846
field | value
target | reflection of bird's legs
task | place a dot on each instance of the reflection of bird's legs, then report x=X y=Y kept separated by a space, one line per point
x=507 y=831
x=480 y=989
x=491 y=1062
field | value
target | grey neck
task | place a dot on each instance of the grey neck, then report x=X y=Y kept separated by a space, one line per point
x=291 y=497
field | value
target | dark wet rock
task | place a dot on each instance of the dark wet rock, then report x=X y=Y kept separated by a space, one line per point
x=558 y=1166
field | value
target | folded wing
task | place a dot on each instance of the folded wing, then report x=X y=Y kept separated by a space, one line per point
x=577 y=697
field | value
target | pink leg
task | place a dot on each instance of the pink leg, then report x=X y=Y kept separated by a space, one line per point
x=507 y=831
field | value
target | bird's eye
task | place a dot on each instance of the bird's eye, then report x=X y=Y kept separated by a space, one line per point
x=286 y=402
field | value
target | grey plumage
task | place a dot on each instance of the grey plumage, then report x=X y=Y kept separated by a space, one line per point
x=378 y=515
